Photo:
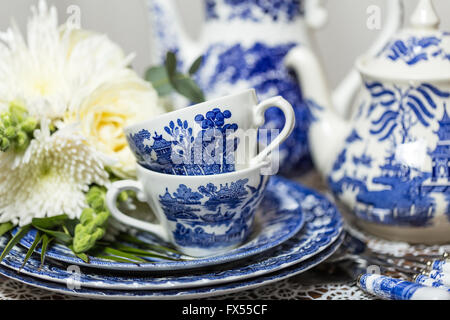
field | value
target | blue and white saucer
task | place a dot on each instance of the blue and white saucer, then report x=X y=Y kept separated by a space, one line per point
x=278 y=219
x=173 y=294
x=323 y=227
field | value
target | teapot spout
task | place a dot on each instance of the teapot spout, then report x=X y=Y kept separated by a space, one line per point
x=328 y=130
x=170 y=33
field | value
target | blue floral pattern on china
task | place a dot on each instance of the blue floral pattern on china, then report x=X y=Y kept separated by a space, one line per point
x=233 y=65
x=281 y=214
x=255 y=10
x=197 y=282
x=406 y=195
x=238 y=201
x=183 y=151
x=415 y=50
x=430 y=282
x=261 y=67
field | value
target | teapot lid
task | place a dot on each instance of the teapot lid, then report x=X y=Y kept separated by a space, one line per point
x=420 y=52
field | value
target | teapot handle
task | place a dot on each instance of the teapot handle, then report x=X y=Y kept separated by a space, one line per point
x=345 y=93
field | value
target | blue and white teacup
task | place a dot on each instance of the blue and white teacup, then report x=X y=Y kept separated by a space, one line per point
x=200 y=216
x=213 y=137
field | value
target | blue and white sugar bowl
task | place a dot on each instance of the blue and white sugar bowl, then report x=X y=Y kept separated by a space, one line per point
x=390 y=163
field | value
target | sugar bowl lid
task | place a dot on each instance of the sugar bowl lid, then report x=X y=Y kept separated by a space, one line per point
x=418 y=53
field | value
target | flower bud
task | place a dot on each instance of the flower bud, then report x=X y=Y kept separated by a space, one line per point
x=123 y=196
x=29 y=125
x=22 y=140
x=11 y=132
x=4 y=144
x=5 y=120
x=18 y=112
x=87 y=215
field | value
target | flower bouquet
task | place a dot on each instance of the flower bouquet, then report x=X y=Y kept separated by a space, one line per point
x=65 y=96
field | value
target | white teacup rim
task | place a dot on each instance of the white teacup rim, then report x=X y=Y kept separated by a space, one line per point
x=170 y=115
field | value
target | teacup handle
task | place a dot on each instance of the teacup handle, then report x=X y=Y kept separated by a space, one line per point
x=111 y=201
x=259 y=120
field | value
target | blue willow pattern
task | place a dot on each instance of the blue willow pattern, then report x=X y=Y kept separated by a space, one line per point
x=256 y=10
x=230 y=206
x=414 y=50
x=210 y=151
x=406 y=197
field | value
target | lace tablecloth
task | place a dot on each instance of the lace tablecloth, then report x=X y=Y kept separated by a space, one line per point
x=324 y=282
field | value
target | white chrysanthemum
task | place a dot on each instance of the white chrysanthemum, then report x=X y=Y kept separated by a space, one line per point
x=75 y=75
x=50 y=178
x=54 y=68
x=78 y=81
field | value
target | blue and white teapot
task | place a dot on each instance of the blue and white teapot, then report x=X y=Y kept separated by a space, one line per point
x=244 y=43
x=390 y=163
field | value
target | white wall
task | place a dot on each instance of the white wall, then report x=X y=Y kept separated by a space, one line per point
x=125 y=21
x=341 y=41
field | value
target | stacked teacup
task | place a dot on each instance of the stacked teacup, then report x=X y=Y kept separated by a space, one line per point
x=200 y=171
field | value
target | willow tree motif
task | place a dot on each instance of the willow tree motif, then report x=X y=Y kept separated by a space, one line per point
x=182 y=141
x=403 y=108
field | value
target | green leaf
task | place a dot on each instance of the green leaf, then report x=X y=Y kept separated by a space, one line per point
x=14 y=240
x=46 y=240
x=70 y=225
x=116 y=259
x=122 y=254
x=143 y=253
x=37 y=240
x=130 y=239
x=5 y=227
x=196 y=65
x=49 y=223
x=188 y=88
x=171 y=64
x=82 y=256
x=159 y=79
x=60 y=236
x=66 y=231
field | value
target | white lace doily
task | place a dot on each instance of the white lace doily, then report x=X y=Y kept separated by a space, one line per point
x=288 y=289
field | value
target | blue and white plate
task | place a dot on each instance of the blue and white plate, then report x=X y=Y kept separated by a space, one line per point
x=323 y=226
x=192 y=293
x=278 y=219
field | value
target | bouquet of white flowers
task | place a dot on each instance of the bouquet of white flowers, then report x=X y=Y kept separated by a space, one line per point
x=65 y=96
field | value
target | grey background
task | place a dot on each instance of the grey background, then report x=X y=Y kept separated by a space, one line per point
x=126 y=22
